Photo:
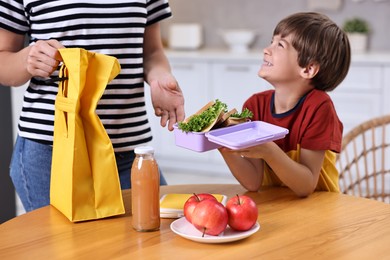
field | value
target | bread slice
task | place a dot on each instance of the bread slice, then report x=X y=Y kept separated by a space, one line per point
x=225 y=117
x=208 y=128
x=204 y=108
x=228 y=120
x=200 y=111
x=234 y=121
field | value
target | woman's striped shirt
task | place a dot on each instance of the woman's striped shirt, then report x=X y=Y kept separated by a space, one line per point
x=114 y=27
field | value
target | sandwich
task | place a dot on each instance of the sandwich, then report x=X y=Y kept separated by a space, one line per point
x=205 y=118
x=214 y=115
x=234 y=118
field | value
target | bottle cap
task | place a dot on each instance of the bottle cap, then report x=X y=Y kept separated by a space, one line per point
x=144 y=150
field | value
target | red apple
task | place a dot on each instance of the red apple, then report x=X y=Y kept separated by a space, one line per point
x=210 y=217
x=242 y=211
x=192 y=201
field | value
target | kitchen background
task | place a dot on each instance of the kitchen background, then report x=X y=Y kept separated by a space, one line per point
x=213 y=71
x=262 y=16
x=215 y=16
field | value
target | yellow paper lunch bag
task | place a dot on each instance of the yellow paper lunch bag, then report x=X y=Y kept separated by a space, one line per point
x=84 y=177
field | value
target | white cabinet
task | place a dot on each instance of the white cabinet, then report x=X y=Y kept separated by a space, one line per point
x=234 y=83
x=193 y=78
x=361 y=95
x=232 y=78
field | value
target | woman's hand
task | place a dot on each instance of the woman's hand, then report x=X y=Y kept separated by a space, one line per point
x=43 y=58
x=167 y=100
x=18 y=64
x=167 y=97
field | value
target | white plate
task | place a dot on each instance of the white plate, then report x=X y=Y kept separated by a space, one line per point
x=185 y=229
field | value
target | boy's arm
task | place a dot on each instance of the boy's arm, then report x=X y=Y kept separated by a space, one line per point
x=247 y=171
x=301 y=177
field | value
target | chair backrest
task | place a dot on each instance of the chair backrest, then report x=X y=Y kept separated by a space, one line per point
x=364 y=161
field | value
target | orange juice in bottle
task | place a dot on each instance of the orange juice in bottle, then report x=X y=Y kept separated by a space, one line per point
x=145 y=190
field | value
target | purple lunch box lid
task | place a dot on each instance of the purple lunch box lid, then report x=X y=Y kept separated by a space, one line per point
x=246 y=134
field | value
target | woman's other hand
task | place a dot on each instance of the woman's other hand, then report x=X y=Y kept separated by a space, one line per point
x=167 y=100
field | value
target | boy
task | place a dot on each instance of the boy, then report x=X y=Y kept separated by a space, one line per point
x=308 y=55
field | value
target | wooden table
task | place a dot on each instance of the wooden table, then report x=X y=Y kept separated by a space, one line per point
x=323 y=226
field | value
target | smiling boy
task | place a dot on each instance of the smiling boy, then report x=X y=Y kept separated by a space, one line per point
x=308 y=56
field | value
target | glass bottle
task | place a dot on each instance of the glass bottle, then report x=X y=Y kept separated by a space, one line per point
x=145 y=190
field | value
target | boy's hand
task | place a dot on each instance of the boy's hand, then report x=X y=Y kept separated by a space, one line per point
x=258 y=151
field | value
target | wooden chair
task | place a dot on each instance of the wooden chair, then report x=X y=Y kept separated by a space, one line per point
x=364 y=161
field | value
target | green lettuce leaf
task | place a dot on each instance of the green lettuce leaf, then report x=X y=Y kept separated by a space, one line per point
x=199 y=122
x=246 y=113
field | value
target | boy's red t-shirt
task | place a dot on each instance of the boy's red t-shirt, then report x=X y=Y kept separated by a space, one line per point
x=313 y=124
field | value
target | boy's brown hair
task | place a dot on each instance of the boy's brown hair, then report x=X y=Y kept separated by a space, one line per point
x=319 y=40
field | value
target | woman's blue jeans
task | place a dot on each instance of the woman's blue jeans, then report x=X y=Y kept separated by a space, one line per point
x=31 y=166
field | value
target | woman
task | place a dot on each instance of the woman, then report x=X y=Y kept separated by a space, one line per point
x=128 y=30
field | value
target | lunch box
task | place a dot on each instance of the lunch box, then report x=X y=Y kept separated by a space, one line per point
x=234 y=137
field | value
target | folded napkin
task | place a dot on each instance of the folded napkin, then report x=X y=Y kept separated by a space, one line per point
x=172 y=204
